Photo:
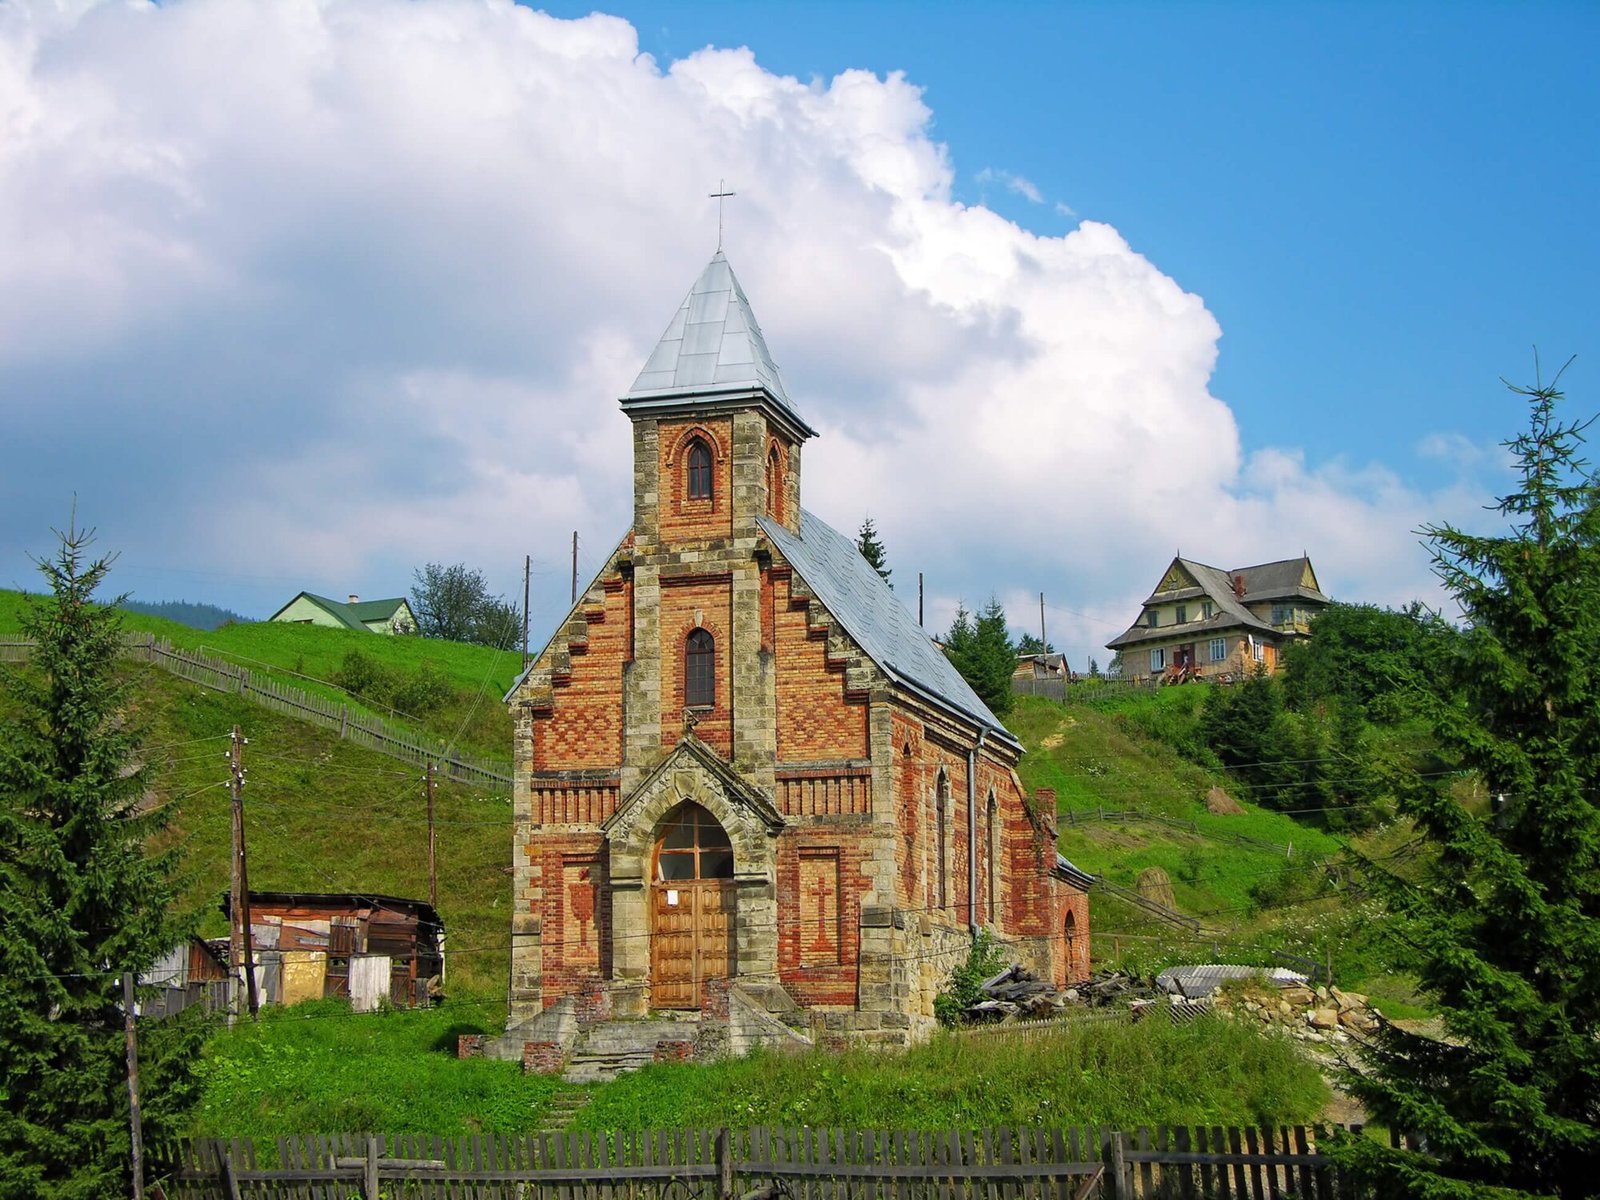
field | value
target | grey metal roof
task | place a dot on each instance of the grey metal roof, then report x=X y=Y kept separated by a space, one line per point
x=1197 y=982
x=867 y=608
x=713 y=344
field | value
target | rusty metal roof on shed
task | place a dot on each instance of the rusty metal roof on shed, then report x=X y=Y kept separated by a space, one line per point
x=864 y=604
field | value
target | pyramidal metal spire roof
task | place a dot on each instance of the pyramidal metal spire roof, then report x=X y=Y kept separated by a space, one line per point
x=712 y=346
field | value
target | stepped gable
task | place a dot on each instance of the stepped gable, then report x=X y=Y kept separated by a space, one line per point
x=867 y=609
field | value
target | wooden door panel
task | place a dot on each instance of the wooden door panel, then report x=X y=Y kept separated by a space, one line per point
x=690 y=941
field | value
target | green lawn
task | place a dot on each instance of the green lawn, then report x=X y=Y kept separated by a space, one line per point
x=470 y=714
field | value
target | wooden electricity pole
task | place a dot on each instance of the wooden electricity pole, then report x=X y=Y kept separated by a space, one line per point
x=135 y=1128
x=527 y=570
x=574 y=566
x=1044 y=643
x=240 y=950
x=433 y=865
x=919 y=598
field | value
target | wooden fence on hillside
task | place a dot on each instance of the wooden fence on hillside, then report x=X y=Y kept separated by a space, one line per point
x=1081 y=691
x=1021 y=1163
x=1133 y=816
x=363 y=729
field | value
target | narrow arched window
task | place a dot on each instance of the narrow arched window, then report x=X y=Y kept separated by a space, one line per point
x=700 y=671
x=942 y=797
x=774 y=485
x=699 y=463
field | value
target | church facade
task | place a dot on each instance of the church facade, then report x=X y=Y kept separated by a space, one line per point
x=740 y=762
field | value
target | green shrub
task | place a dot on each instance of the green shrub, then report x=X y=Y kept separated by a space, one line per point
x=985 y=958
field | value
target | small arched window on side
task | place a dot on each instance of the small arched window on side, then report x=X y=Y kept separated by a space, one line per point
x=942 y=800
x=700 y=670
x=698 y=464
x=774 y=484
x=992 y=839
x=1071 y=929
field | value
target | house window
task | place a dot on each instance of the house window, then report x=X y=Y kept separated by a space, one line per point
x=994 y=862
x=943 y=803
x=1219 y=649
x=1158 y=659
x=1183 y=613
x=1152 y=618
x=699 y=460
x=700 y=670
x=1207 y=609
x=693 y=845
x=1258 y=651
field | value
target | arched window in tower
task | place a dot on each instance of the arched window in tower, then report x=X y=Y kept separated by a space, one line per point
x=698 y=462
x=942 y=803
x=774 y=484
x=700 y=671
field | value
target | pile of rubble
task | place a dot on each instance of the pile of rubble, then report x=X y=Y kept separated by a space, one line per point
x=1309 y=1012
x=1274 y=997
x=1018 y=994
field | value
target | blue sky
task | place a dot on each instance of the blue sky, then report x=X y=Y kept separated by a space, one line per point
x=1386 y=206
x=304 y=295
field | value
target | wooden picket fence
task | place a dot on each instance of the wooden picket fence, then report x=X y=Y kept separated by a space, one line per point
x=1021 y=1163
x=363 y=729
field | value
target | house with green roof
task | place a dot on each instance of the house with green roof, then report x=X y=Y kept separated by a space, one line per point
x=375 y=616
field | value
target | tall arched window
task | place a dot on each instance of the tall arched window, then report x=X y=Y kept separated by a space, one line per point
x=700 y=670
x=774 y=484
x=699 y=465
x=942 y=800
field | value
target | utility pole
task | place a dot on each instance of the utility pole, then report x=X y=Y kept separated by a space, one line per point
x=919 y=598
x=433 y=867
x=135 y=1128
x=1044 y=643
x=574 y=566
x=527 y=570
x=240 y=951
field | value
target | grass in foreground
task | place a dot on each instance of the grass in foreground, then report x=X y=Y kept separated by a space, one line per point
x=319 y=1068
x=1209 y=1072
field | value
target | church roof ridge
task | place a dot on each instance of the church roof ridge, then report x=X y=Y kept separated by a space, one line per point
x=712 y=345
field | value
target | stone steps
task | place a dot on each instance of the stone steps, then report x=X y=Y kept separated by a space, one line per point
x=606 y=1051
x=562 y=1108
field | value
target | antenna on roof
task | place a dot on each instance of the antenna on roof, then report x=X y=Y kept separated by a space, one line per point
x=721 y=194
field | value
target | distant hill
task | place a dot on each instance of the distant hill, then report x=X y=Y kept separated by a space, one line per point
x=186 y=612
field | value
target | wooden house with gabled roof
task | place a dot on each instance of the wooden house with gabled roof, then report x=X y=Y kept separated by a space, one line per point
x=1203 y=622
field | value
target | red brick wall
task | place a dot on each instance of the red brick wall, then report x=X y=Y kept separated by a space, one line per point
x=584 y=728
x=815 y=718
x=813 y=982
x=566 y=966
x=712 y=599
x=682 y=519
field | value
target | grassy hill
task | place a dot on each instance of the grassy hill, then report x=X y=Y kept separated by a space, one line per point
x=463 y=683
x=323 y=815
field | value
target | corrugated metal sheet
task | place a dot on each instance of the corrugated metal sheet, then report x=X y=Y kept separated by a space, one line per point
x=369 y=981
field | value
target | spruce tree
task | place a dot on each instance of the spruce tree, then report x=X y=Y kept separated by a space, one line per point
x=982 y=651
x=1503 y=924
x=872 y=550
x=81 y=899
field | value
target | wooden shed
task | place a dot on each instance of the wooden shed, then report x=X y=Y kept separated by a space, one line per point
x=308 y=945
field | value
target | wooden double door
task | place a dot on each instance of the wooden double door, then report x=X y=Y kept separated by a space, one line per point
x=691 y=939
x=691 y=908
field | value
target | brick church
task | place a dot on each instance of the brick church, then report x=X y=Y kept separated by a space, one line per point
x=742 y=767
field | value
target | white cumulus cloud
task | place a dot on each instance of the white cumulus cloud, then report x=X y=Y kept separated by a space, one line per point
x=303 y=294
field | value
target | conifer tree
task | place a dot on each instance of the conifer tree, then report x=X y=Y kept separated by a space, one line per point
x=982 y=651
x=81 y=900
x=872 y=550
x=1503 y=927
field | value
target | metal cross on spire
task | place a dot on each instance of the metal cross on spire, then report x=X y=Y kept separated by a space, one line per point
x=721 y=194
